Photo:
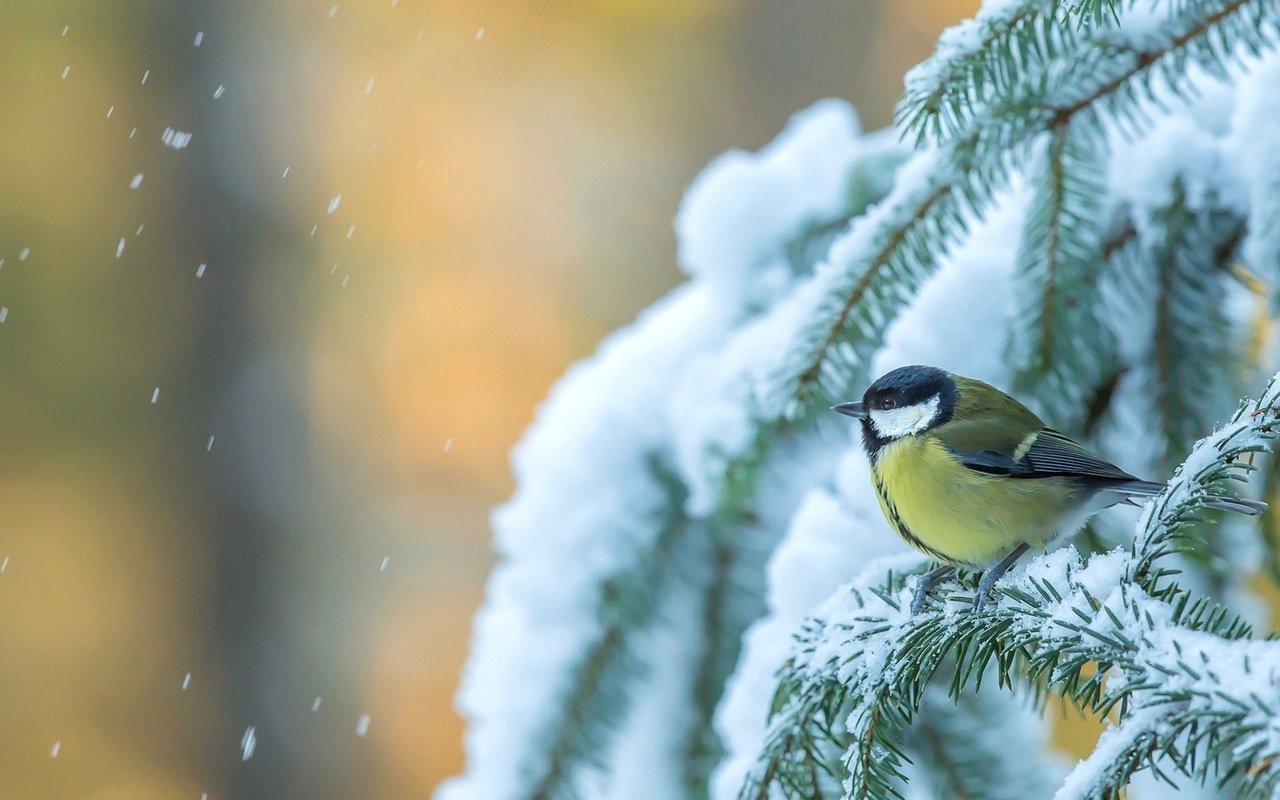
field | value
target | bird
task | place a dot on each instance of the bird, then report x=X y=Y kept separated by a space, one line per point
x=970 y=477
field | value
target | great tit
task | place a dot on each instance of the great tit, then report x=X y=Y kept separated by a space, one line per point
x=972 y=478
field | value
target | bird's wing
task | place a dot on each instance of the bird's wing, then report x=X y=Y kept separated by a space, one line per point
x=1042 y=454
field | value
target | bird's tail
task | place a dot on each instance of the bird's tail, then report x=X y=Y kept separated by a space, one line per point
x=1238 y=505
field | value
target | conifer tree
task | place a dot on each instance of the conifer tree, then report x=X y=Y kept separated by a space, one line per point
x=697 y=595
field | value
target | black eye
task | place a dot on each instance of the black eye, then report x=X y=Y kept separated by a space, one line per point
x=888 y=404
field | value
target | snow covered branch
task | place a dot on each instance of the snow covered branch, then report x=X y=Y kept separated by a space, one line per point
x=874 y=269
x=985 y=57
x=600 y=533
x=1059 y=358
x=1087 y=177
x=1115 y=634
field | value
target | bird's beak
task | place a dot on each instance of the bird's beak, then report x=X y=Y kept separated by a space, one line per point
x=853 y=408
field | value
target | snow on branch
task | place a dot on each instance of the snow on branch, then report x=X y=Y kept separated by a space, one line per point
x=1216 y=461
x=831 y=325
x=837 y=321
x=1114 y=78
x=668 y=440
x=1061 y=348
x=547 y=679
x=597 y=531
x=1193 y=336
x=1186 y=203
x=834 y=322
x=984 y=57
x=1189 y=685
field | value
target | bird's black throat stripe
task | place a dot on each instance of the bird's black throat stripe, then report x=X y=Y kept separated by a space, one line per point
x=895 y=519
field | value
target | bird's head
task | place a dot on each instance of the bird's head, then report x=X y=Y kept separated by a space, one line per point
x=905 y=402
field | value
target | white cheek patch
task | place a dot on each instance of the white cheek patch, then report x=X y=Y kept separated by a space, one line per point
x=904 y=421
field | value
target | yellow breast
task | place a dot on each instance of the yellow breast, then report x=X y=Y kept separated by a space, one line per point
x=958 y=516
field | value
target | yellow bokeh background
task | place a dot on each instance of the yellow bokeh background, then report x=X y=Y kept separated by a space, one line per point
x=336 y=390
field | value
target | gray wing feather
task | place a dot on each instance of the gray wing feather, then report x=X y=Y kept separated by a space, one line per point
x=1055 y=455
x=1051 y=454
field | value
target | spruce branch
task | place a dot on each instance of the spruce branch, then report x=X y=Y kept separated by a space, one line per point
x=1041 y=71
x=732 y=600
x=870 y=179
x=806 y=738
x=1194 y=363
x=870 y=273
x=1186 y=665
x=1164 y=276
x=740 y=542
x=1113 y=78
x=951 y=745
x=598 y=690
x=1096 y=12
x=1120 y=752
x=1191 y=346
x=1025 y=67
x=878 y=264
x=887 y=254
x=594 y=689
x=986 y=57
x=1061 y=349
x=1214 y=464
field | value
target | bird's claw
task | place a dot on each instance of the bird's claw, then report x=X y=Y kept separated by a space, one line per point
x=983 y=600
x=917 y=600
x=925 y=584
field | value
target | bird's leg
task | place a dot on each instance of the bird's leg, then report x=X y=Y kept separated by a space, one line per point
x=925 y=584
x=989 y=578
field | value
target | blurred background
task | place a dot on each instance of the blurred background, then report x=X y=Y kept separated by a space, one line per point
x=258 y=384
